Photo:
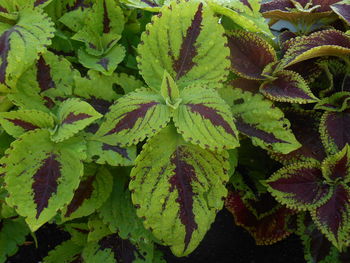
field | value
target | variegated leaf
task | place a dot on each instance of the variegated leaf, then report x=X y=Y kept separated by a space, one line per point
x=41 y=176
x=259 y=119
x=288 y=86
x=18 y=122
x=337 y=167
x=177 y=189
x=170 y=91
x=250 y=54
x=335 y=130
x=203 y=118
x=73 y=116
x=300 y=186
x=134 y=117
x=338 y=101
x=149 y=5
x=21 y=44
x=93 y=190
x=192 y=51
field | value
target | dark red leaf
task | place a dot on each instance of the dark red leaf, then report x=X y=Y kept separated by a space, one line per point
x=246 y=84
x=72 y=117
x=45 y=182
x=43 y=75
x=331 y=214
x=212 y=115
x=100 y=105
x=184 y=174
x=83 y=192
x=249 y=54
x=282 y=5
x=304 y=184
x=188 y=50
x=129 y=119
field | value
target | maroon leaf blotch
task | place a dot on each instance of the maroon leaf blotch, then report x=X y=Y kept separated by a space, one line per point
x=104 y=63
x=182 y=178
x=72 y=117
x=212 y=115
x=39 y=2
x=45 y=182
x=188 y=50
x=106 y=20
x=3 y=9
x=83 y=193
x=23 y=124
x=121 y=151
x=150 y=3
x=129 y=118
x=4 y=50
x=43 y=75
x=253 y=131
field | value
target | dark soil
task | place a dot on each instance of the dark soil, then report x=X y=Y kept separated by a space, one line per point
x=224 y=243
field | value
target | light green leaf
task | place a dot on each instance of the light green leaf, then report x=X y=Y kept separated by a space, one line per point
x=41 y=176
x=93 y=190
x=257 y=117
x=177 y=189
x=97 y=228
x=18 y=122
x=66 y=252
x=134 y=117
x=170 y=91
x=186 y=40
x=73 y=116
x=205 y=119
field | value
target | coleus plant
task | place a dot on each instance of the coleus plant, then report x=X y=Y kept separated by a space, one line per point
x=120 y=122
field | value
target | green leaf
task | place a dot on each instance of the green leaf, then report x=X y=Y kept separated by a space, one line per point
x=170 y=91
x=119 y=213
x=134 y=117
x=98 y=229
x=186 y=40
x=338 y=101
x=288 y=86
x=12 y=234
x=41 y=176
x=205 y=119
x=21 y=44
x=177 y=189
x=148 y=5
x=73 y=116
x=66 y=252
x=45 y=83
x=93 y=190
x=18 y=122
x=243 y=13
x=257 y=117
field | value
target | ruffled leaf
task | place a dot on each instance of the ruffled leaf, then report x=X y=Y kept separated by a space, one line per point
x=299 y=186
x=322 y=43
x=41 y=176
x=73 y=116
x=288 y=86
x=21 y=44
x=133 y=117
x=18 y=122
x=177 y=189
x=193 y=51
x=259 y=119
x=338 y=101
x=250 y=54
x=93 y=191
x=205 y=119
x=335 y=130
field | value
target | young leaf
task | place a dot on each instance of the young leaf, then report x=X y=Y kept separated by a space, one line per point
x=92 y=192
x=119 y=213
x=170 y=91
x=250 y=54
x=177 y=188
x=12 y=234
x=259 y=119
x=193 y=51
x=338 y=102
x=41 y=176
x=337 y=167
x=205 y=119
x=288 y=86
x=321 y=43
x=73 y=116
x=300 y=186
x=133 y=117
x=20 y=45
x=66 y=252
x=18 y=122
x=335 y=130
x=267 y=227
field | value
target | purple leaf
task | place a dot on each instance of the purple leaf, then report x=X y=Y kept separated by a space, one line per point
x=43 y=75
x=46 y=182
x=343 y=10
